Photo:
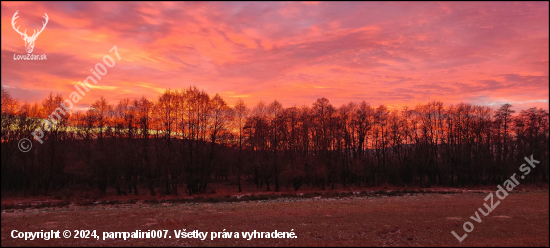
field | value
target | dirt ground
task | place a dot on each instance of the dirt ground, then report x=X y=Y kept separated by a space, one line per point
x=521 y=219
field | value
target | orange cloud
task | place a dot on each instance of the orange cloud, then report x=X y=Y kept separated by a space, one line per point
x=393 y=53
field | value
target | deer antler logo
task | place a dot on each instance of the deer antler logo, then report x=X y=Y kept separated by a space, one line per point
x=29 y=41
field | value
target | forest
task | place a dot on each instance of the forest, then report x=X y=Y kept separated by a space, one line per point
x=189 y=139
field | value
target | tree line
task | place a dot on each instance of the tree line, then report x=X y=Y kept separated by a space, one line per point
x=188 y=138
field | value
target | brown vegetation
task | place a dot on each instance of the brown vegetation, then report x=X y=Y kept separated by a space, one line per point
x=413 y=220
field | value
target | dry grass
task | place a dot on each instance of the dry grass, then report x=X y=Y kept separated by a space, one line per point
x=419 y=220
x=224 y=192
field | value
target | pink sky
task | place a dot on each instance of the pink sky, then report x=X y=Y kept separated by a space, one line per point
x=393 y=53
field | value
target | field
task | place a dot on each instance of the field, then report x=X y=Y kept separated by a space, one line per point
x=522 y=218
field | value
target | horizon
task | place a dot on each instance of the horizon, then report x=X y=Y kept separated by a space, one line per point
x=254 y=105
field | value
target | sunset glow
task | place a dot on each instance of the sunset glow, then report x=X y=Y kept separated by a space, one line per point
x=393 y=53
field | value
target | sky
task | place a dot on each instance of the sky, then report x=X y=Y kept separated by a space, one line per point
x=392 y=53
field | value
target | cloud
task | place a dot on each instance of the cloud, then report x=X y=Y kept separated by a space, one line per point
x=393 y=53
